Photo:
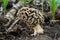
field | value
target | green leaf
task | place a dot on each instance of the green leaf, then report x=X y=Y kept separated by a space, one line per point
x=54 y=7
x=5 y=3
x=58 y=2
x=24 y=1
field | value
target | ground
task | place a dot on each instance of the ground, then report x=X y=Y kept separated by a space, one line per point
x=51 y=31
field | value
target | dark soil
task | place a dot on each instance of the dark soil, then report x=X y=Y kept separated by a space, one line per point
x=51 y=31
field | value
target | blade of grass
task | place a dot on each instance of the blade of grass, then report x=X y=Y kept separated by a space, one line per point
x=42 y=6
x=24 y=1
x=53 y=7
x=58 y=2
x=5 y=3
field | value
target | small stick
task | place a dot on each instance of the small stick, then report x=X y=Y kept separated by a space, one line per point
x=11 y=13
x=8 y=30
x=54 y=21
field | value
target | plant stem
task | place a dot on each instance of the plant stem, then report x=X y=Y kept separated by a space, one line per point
x=4 y=10
x=53 y=15
x=42 y=5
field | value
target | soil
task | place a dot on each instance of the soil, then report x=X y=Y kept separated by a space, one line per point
x=51 y=31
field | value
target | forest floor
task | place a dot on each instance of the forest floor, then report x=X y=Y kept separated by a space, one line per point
x=51 y=32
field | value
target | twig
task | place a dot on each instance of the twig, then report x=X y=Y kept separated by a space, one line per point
x=11 y=13
x=54 y=21
x=8 y=30
x=55 y=36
